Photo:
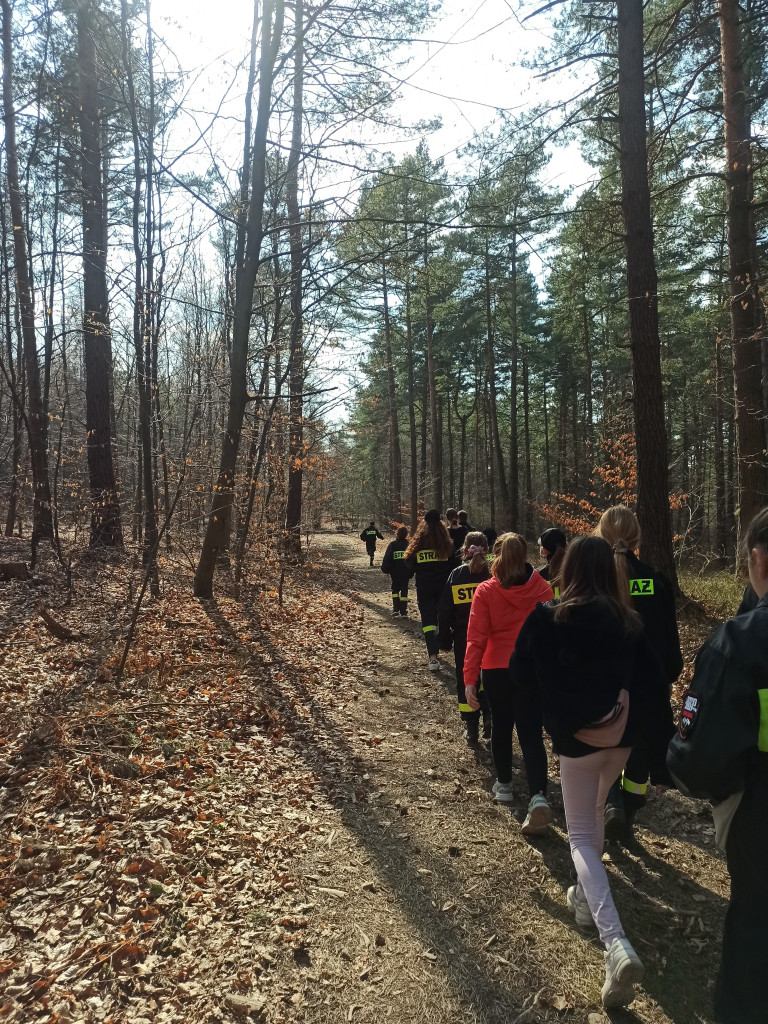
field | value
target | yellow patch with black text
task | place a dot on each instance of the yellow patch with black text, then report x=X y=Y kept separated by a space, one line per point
x=639 y=588
x=464 y=592
x=398 y=554
x=427 y=555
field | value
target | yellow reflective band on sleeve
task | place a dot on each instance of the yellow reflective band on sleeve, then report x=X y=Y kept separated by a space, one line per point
x=639 y=588
x=556 y=591
x=427 y=555
x=463 y=594
x=762 y=736
x=465 y=707
x=640 y=788
x=428 y=629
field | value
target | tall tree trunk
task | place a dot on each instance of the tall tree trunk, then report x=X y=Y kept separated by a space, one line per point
x=653 y=511
x=106 y=526
x=37 y=417
x=395 y=457
x=526 y=516
x=296 y=451
x=493 y=412
x=217 y=534
x=435 y=457
x=17 y=398
x=514 y=477
x=746 y=316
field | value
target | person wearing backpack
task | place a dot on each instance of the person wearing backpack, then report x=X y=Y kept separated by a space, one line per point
x=453 y=620
x=650 y=594
x=720 y=753
x=370 y=534
x=394 y=565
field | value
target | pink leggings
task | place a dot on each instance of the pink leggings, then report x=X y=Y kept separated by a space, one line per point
x=586 y=781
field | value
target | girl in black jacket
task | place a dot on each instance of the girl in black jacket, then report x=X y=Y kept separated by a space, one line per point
x=650 y=594
x=431 y=557
x=586 y=660
x=453 y=618
x=395 y=566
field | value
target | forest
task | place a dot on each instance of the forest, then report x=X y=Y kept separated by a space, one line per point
x=231 y=349
x=251 y=300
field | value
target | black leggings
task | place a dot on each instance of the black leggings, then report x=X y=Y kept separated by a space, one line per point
x=497 y=683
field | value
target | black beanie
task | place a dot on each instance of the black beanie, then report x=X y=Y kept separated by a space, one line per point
x=432 y=515
x=552 y=539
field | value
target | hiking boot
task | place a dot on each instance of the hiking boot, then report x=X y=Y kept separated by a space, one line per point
x=623 y=970
x=616 y=824
x=472 y=733
x=487 y=727
x=502 y=792
x=577 y=904
x=403 y=615
x=394 y=613
x=433 y=665
x=539 y=816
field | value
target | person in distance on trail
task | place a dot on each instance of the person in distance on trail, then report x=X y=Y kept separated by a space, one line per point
x=369 y=535
x=395 y=566
x=460 y=530
x=490 y=535
x=584 y=662
x=431 y=557
x=552 y=543
x=499 y=608
x=720 y=753
x=650 y=594
x=453 y=619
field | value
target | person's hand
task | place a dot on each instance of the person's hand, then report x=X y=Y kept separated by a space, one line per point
x=471 y=695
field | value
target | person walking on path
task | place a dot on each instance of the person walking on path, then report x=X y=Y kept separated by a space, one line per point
x=453 y=620
x=584 y=662
x=720 y=753
x=370 y=534
x=499 y=608
x=553 y=544
x=460 y=529
x=650 y=594
x=431 y=557
x=394 y=565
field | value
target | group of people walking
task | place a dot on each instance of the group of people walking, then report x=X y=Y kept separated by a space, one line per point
x=585 y=648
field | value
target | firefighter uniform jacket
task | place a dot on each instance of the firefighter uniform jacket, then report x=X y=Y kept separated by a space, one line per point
x=393 y=564
x=722 y=737
x=654 y=602
x=456 y=602
x=369 y=535
x=431 y=572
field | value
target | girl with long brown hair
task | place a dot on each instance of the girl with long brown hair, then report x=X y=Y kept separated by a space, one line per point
x=431 y=557
x=499 y=608
x=586 y=664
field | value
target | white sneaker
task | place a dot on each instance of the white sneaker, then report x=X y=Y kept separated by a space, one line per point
x=539 y=816
x=623 y=970
x=502 y=792
x=434 y=665
x=577 y=904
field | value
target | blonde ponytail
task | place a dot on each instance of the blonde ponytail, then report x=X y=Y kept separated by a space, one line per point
x=620 y=528
x=508 y=566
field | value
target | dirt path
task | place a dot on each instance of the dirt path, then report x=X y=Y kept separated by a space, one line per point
x=447 y=912
x=275 y=818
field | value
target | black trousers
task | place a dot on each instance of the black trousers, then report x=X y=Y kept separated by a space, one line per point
x=466 y=712
x=371 y=551
x=399 y=593
x=497 y=683
x=428 y=597
x=741 y=996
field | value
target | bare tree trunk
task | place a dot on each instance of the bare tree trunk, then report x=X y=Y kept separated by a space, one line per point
x=217 y=533
x=106 y=526
x=435 y=460
x=514 y=473
x=653 y=511
x=37 y=418
x=395 y=457
x=493 y=413
x=746 y=318
x=296 y=451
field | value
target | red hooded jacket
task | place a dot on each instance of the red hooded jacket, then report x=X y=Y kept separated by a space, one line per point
x=495 y=620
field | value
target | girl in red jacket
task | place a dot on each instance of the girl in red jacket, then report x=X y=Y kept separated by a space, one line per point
x=499 y=608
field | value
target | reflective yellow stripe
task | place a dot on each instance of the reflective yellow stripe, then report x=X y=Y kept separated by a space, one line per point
x=556 y=591
x=465 y=707
x=762 y=736
x=395 y=595
x=428 y=629
x=640 y=788
x=403 y=598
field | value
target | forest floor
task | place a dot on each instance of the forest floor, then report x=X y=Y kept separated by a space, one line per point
x=274 y=817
